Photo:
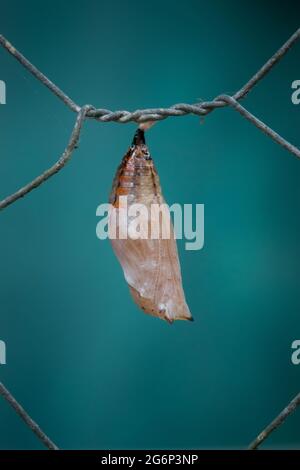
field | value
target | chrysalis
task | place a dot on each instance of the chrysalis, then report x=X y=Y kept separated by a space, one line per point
x=147 y=251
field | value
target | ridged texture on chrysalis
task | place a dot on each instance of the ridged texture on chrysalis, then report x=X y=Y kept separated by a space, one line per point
x=151 y=266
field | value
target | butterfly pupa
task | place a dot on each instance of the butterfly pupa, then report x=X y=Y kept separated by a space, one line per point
x=149 y=258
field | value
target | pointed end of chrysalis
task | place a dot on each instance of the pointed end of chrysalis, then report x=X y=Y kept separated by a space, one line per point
x=139 y=137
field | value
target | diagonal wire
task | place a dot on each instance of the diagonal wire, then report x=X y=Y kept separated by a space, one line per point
x=26 y=418
x=289 y=409
x=261 y=125
x=63 y=160
x=39 y=75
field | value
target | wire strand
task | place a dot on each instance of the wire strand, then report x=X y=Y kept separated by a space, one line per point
x=26 y=418
x=289 y=409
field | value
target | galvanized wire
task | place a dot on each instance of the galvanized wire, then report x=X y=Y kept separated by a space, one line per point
x=142 y=116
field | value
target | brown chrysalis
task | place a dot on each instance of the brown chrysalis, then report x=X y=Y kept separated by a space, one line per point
x=150 y=260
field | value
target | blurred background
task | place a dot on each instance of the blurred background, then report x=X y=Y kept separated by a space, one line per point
x=93 y=370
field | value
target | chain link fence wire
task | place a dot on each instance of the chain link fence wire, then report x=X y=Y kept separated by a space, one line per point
x=140 y=116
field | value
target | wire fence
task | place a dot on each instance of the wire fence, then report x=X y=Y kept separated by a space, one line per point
x=141 y=116
x=145 y=115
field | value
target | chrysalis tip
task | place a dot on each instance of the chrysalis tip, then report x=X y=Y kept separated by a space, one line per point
x=139 y=137
x=146 y=125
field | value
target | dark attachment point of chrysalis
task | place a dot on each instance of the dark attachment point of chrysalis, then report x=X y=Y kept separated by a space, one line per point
x=139 y=137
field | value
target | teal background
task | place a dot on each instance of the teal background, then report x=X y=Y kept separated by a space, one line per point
x=92 y=369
